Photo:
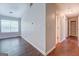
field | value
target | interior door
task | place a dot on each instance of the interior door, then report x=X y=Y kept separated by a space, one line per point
x=73 y=28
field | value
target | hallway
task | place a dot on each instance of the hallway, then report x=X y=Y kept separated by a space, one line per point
x=68 y=47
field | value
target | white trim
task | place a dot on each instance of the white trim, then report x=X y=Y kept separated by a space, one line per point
x=9 y=37
x=62 y=40
x=78 y=31
x=51 y=50
x=36 y=47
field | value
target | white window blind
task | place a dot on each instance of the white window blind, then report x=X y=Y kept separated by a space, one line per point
x=9 y=26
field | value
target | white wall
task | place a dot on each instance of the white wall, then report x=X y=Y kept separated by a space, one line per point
x=63 y=28
x=50 y=27
x=33 y=26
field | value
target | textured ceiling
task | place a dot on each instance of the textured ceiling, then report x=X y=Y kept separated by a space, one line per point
x=68 y=9
x=12 y=9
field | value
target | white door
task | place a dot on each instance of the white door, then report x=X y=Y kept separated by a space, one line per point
x=72 y=26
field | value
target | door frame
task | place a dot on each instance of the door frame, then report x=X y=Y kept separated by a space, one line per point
x=76 y=25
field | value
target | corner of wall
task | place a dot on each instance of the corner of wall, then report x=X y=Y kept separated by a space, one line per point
x=35 y=46
x=50 y=50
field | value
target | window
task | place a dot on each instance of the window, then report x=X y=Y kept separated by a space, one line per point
x=9 y=26
x=14 y=26
x=5 y=26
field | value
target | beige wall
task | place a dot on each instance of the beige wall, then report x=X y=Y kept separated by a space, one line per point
x=50 y=26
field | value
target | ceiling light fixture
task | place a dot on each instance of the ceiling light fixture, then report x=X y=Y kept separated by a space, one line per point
x=10 y=12
x=31 y=4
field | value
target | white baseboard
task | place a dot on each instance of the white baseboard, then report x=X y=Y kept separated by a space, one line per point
x=9 y=37
x=53 y=48
x=62 y=40
x=36 y=47
x=44 y=53
x=50 y=50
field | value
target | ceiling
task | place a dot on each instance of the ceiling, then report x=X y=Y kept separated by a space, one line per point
x=12 y=9
x=68 y=9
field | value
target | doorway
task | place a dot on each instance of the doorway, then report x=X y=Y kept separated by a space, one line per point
x=73 y=26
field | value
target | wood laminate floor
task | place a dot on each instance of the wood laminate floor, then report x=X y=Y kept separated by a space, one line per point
x=17 y=47
x=69 y=47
